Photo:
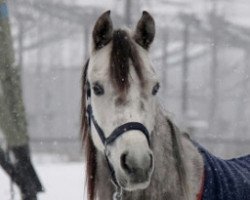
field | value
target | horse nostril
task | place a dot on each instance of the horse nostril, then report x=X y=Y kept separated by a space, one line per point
x=132 y=165
x=151 y=161
x=124 y=163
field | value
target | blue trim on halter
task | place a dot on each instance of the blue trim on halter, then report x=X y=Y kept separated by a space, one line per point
x=3 y=11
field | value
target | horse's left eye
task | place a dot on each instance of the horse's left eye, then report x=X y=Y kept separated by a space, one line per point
x=156 y=89
x=98 y=89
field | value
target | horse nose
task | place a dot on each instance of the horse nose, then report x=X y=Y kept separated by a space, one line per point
x=138 y=167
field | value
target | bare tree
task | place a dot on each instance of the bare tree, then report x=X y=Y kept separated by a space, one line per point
x=12 y=116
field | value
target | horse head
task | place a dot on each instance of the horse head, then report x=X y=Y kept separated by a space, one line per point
x=119 y=89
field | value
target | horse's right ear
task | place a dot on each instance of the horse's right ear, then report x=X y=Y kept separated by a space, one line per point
x=145 y=30
x=103 y=30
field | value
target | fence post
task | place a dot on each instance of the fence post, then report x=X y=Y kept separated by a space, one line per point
x=185 y=70
x=213 y=69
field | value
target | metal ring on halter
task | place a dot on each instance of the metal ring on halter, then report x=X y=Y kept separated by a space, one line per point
x=118 y=192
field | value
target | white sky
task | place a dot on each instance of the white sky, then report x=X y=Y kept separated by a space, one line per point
x=237 y=11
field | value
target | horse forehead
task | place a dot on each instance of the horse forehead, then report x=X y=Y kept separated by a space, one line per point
x=100 y=62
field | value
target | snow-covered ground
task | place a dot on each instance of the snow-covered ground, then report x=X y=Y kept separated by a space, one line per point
x=62 y=181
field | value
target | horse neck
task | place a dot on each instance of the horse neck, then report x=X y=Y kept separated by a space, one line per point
x=165 y=181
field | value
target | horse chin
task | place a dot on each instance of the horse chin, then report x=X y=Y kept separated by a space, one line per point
x=136 y=186
x=131 y=185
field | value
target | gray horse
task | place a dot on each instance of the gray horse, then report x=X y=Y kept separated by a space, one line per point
x=132 y=150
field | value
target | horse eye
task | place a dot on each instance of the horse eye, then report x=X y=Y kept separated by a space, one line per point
x=156 y=89
x=98 y=89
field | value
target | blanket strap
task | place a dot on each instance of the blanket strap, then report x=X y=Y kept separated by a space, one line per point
x=200 y=194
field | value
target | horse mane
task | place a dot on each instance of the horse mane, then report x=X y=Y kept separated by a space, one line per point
x=89 y=149
x=180 y=163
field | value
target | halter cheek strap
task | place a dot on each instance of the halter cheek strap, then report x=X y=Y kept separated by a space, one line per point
x=120 y=130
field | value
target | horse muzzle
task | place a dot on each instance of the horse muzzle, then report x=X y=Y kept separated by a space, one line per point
x=136 y=170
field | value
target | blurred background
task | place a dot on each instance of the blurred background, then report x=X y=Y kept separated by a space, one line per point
x=201 y=53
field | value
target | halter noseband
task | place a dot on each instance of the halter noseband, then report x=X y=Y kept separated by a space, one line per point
x=116 y=133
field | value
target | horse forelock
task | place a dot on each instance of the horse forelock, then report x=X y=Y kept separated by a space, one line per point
x=123 y=51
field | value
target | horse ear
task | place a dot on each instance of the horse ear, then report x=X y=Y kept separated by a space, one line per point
x=102 y=32
x=145 y=30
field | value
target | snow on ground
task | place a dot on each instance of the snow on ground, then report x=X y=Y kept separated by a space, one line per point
x=62 y=181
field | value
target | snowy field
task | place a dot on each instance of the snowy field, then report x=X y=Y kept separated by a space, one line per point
x=62 y=181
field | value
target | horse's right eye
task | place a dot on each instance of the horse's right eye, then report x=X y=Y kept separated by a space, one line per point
x=98 y=89
x=156 y=89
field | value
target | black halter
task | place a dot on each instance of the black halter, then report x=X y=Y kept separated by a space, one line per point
x=117 y=132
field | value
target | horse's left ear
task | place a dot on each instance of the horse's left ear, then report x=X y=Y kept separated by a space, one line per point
x=103 y=30
x=145 y=30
